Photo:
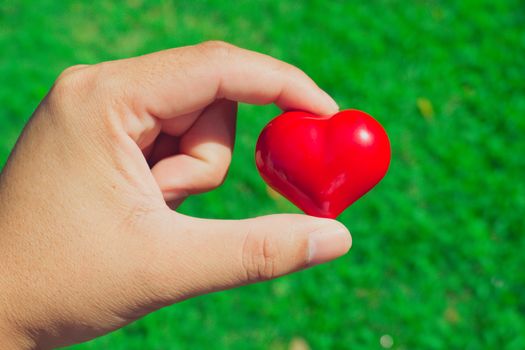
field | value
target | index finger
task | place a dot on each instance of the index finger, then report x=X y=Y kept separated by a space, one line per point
x=183 y=80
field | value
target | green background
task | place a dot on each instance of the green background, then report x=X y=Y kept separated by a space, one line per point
x=438 y=256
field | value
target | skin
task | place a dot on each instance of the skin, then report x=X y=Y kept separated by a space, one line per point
x=88 y=238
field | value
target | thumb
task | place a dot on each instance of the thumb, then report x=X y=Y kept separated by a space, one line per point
x=220 y=254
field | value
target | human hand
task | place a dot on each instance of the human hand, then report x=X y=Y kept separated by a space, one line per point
x=87 y=242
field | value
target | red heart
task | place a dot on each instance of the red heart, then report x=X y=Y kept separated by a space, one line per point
x=323 y=164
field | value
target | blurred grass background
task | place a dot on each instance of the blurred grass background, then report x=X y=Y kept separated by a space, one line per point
x=438 y=257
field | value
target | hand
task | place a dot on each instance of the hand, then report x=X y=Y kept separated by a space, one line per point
x=87 y=242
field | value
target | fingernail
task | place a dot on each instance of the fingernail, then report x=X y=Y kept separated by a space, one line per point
x=328 y=243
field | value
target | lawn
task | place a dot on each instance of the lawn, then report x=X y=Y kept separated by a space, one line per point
x=438 y=256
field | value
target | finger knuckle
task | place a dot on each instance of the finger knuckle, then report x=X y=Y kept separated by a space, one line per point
x=86 y=79
x=217 y=48
x=220 y=173
x=68 y=80
x=72 y=69
x=84 y=87
x=260 y=257
x=74 y=84
x=212 y=174
x=216 y=179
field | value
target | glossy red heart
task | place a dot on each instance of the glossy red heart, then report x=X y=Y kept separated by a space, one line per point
x=323 y=164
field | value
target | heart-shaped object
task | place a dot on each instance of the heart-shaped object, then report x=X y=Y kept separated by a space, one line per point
x=323 y=164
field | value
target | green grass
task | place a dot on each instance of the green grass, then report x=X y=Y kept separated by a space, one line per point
x=438 y=258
